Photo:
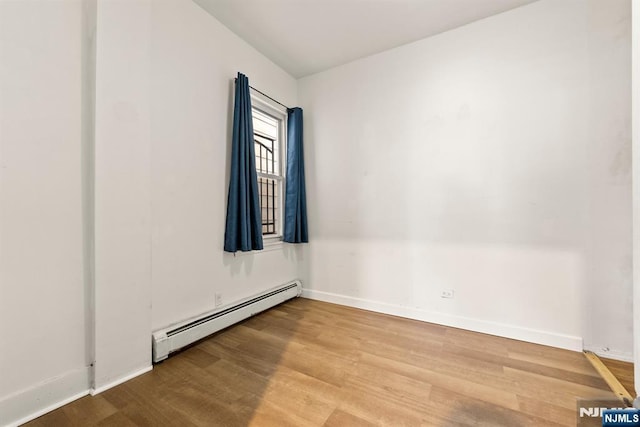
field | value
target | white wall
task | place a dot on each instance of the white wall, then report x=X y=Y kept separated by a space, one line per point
x=194 y=59
x=492 y=160
x=42 y=292
x=114 y=139
x=636 y=185
x=609 y=246
x=164 y=73
x=122 y=227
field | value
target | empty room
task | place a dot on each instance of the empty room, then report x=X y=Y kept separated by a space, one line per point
x=319 y=212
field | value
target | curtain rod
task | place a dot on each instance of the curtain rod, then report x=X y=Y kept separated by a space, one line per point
x=264 y=94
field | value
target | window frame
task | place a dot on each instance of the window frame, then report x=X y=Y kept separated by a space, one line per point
x=279 y=113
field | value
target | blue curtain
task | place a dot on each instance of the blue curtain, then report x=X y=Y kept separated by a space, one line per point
x=244 y=224
x=295 y=208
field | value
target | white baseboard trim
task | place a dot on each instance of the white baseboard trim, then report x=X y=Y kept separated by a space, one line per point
x=119 y=381
x=29 y=404
x=623 y=356
x=552 y=339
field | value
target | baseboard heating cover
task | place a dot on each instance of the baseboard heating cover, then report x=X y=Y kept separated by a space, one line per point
x=177 y=336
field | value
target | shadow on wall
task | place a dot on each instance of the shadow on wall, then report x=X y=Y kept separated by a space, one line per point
x=239 y=262
x=242 y=263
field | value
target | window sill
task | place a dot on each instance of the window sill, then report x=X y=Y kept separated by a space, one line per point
x=269 y=244
x=272 y=244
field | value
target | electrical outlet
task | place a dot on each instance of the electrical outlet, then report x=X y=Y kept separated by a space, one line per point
x=447 y=293
x=218 y=299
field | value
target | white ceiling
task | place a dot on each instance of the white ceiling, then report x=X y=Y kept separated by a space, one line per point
x=307 y=36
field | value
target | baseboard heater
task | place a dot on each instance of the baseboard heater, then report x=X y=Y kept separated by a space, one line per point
x=168 y=340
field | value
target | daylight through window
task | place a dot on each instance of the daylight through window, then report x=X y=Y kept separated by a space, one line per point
x=267 y=131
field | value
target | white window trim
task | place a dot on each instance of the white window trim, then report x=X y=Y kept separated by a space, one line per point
x=275 y=241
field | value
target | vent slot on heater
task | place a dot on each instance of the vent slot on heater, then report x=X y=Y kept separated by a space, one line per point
x=168 y=340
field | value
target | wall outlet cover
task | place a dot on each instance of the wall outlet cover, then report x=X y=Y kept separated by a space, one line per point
x=447 y=293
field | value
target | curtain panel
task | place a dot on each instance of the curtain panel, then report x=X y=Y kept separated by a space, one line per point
x=295 y=210
x=243 y=229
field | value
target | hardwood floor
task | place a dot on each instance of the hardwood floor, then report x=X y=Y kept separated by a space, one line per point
x=311 y=363
x=623 y=371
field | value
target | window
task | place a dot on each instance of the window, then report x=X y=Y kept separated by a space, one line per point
x=268 y=133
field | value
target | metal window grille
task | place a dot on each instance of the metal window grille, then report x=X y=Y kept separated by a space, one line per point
x=268 y=182
x=268 y=136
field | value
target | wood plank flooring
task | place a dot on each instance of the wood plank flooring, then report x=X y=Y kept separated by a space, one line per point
x=623 y=371
x=309 y=363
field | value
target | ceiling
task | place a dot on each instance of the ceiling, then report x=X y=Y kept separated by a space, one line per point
x=307 y=36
